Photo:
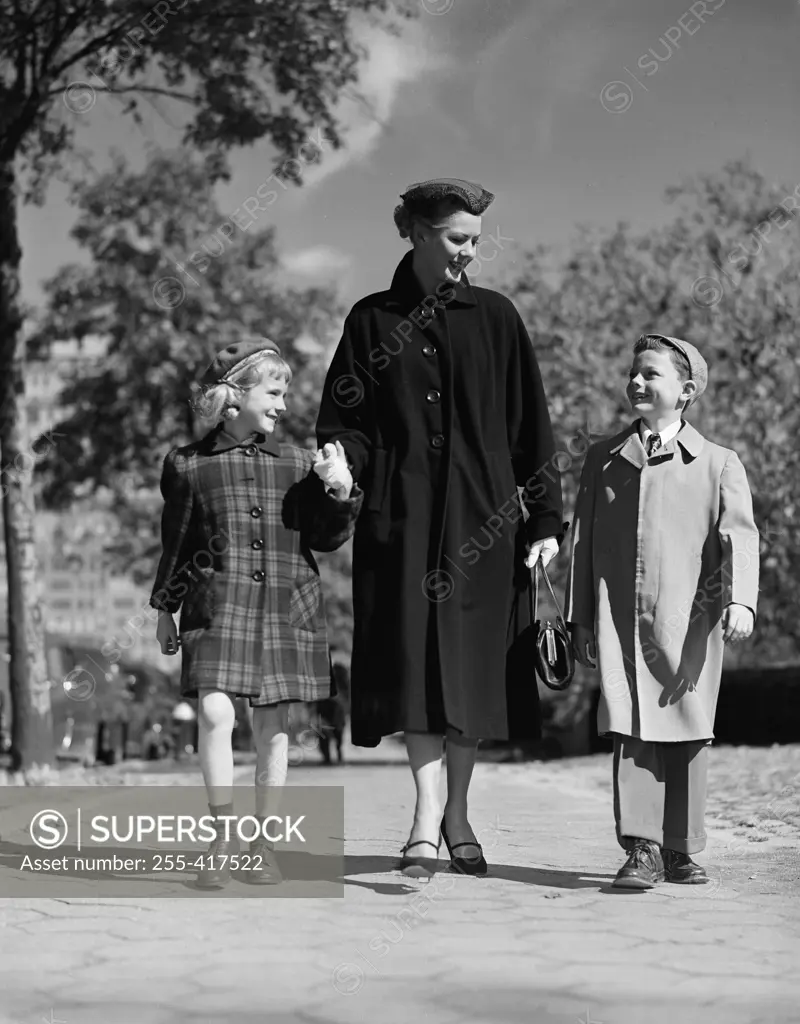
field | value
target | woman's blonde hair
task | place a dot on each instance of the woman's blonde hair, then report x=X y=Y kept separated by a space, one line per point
x=220 y=401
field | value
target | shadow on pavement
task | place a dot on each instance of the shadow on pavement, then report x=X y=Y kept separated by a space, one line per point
x=553 y=877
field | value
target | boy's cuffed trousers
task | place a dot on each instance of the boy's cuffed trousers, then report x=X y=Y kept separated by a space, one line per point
x=660 y=792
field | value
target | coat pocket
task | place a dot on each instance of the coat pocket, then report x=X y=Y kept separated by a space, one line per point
x=197 y=611
x=305 y=604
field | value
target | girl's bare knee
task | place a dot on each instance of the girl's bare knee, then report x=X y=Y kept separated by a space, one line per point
x=216 y=710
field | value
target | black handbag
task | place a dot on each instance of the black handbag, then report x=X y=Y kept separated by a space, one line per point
x=552 y=645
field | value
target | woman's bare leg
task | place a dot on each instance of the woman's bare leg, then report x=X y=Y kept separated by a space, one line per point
x=461 y=754
x=425 y=758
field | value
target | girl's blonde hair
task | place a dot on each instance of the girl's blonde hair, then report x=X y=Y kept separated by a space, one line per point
x=220 y=401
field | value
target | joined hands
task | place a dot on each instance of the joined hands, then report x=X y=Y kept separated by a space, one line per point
x=330 y=465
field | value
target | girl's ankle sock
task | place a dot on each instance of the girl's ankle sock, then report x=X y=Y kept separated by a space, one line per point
x=221 y=810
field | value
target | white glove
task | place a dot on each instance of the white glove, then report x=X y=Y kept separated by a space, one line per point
x=330 y=465
x=547 y=549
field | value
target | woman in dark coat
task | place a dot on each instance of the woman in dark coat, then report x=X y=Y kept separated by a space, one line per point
x=435 y=394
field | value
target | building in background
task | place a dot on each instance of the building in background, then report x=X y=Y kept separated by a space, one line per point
x=84 y=603
x=44 y=379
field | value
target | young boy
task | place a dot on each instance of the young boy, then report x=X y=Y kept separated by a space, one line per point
x=664 y=571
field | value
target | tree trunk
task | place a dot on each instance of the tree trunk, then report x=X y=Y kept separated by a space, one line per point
x=31 y=714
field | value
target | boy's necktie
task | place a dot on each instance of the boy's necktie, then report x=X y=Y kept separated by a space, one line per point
x=653 y=444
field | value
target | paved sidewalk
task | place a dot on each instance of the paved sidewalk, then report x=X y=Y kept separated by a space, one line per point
x=543 y=940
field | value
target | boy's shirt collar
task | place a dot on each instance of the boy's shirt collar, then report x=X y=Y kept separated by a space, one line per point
x=666 y=434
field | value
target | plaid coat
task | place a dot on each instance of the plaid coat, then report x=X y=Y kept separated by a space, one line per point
x=238 y=526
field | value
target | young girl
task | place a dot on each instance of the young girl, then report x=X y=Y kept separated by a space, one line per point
x=241 y=515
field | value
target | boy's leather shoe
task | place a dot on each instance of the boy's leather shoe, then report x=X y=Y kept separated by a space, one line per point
x=215 y=872
x=263 y=867
x=644 y=867
x=679 y=867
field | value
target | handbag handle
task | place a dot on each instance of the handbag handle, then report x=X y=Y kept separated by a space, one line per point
x=534 y=596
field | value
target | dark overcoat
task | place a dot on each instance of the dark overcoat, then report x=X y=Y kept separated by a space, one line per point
x=238 y=526
x=439 y=403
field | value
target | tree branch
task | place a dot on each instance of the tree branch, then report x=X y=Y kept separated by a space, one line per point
x=93 y=47
x=138 y=89
x=60 y=35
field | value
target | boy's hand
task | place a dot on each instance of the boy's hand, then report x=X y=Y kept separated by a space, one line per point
x=330 y=465
x=584 y=646
x=737 y=623
x=545 y=549
x=167 y=634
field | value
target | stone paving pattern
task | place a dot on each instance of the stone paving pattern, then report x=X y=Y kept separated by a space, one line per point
x=543 y=940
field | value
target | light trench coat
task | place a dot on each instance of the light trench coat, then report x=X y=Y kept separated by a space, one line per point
x=660 y=547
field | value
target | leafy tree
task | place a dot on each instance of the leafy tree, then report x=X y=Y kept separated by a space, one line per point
x=723 y=275
x=246 y=70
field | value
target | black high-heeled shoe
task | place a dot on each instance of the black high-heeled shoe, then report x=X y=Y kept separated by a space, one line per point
x=465 y=865
x=414 y=866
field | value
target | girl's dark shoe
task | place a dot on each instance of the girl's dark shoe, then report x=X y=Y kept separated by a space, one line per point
x=416 y=866
x=216 y=870
x=679 y=867
x=474 y=865
x=644 y=867
x=262 y=868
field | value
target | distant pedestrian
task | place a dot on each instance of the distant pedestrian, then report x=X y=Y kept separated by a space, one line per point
x=332 y=715
x=241 y=515
x=153 y=742
x=664 y=572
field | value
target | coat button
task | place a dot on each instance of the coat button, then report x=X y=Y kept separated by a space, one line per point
x=437 y=440
x=257 y=512
x=250 y=449
x=433 y=396
x=257 y=544
x=429 y=350
x=259 y=576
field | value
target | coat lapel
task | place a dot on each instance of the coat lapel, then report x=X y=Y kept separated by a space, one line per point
x=629 y=444
x=690 y=440
x=630 y=447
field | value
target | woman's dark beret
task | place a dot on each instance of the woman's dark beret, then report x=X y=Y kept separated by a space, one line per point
x=475 y=197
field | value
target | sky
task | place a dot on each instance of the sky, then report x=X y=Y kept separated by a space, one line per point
x=571 y=111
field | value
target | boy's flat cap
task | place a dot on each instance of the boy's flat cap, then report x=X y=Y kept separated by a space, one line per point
x=229 y=358
x=475 y=197
x=698 y=367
